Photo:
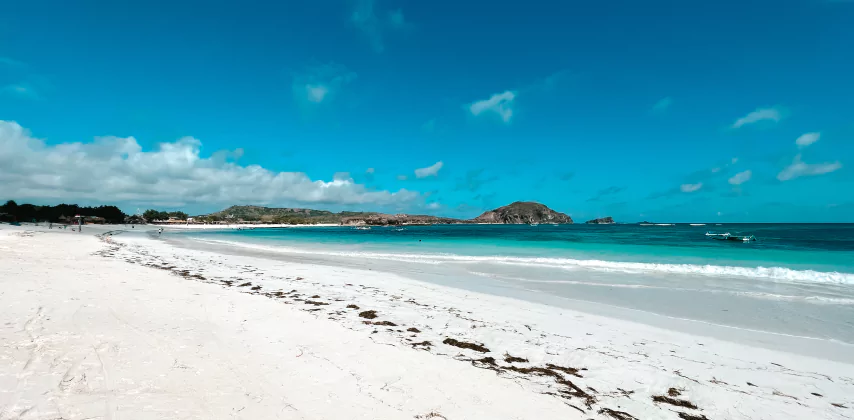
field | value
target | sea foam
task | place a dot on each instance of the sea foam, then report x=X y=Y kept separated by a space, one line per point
x=766 y=273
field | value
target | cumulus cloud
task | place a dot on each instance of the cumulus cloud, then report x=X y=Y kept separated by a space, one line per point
x=689 y=188
x=117 y=170
x=798 y=169
x=741 y=177
x=807 y=139
x=662 y=104
x=320 y=84
x=431 y=170
x=500 y=104
x=761 y=114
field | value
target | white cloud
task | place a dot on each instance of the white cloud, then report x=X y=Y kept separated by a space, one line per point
x=807 y=139
x=688 y=188
x=370 y=170
x=116 y=170
x=662 y=104
x=320 y=83
x=434 y=205
x=316 y=93
x=401 y=177
x=741 y=177
x=499 y=103
x=431 y=170
x=798 y=169
x=761 y=114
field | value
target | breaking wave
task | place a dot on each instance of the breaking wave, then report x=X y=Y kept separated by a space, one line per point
x=766 y=273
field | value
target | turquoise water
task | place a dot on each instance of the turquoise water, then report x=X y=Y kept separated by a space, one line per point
x=796 y=279
x=802 y=247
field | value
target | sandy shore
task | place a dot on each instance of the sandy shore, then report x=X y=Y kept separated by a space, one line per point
x=137 y=328
x=235 y=226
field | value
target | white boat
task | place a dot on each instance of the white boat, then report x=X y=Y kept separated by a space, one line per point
x=730 y=237
x=697 y=224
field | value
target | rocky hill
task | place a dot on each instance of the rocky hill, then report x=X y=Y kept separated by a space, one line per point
x=523 y=212
x=602 y=221
x=281 y=215
x=516 y=213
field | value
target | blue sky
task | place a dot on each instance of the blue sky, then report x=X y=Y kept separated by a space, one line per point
x=681 y=111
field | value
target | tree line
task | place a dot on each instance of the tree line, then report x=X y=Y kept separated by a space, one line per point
x=31 y=212
x=152 y=215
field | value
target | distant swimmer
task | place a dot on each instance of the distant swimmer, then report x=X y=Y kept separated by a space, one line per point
x=159 y=231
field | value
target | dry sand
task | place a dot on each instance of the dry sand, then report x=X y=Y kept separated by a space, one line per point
x=138 y=329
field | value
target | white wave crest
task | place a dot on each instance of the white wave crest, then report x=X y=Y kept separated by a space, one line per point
x=766 y=273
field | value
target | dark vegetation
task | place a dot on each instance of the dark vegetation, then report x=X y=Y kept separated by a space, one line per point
x=152 y=215
x=30 y=212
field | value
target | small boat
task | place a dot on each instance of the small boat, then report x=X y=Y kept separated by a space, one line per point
x=730 y=237
x=697 y=224
x=718 y=235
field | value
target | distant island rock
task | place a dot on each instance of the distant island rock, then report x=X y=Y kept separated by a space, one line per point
x=602 y=221
x=517 y=213
x=523 y=212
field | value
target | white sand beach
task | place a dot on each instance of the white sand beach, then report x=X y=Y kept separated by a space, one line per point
x=130 y=327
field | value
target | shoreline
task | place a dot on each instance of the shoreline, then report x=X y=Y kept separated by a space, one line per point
x=789 y=339
x=610 y=364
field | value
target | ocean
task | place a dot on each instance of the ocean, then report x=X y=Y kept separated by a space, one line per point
x=796 y=279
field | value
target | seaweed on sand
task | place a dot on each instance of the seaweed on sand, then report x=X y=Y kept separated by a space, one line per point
x=465 y=345
x=511 y=359
x=619 y=415
x=674 y=401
